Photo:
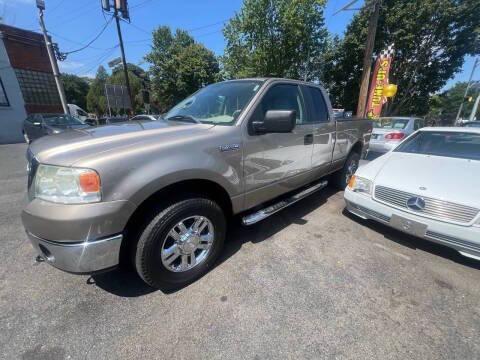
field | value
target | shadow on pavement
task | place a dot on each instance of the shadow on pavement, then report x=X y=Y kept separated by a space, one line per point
x=415 y=243
x=126 y=283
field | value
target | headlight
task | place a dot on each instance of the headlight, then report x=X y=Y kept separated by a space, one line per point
x=359 y=184
x=67 y=185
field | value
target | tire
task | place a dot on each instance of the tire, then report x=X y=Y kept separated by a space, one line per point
x=342 y=177
x=163 y=268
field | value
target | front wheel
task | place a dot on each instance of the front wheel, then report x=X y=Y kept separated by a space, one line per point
x=343 y=176
x=180 y=243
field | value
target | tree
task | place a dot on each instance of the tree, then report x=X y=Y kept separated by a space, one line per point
x=179 y=66
x=96 y=101
x=76 y=89
x=444 y=106
x=431 y=39
x=138 y=79
x=280 y=38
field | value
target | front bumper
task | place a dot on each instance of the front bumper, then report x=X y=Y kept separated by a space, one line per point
x=465 y=239
x=81 y=257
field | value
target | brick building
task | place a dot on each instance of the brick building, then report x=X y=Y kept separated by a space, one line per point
x=27 y=84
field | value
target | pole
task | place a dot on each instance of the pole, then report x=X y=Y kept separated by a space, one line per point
x=367 y=59
x=466 y=90
x=54 y=64
x=122 y=50
x=475 y=108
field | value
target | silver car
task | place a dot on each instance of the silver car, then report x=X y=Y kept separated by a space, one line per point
x=388 y=132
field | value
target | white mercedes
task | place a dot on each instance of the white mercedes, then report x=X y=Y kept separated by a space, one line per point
x=428 y=186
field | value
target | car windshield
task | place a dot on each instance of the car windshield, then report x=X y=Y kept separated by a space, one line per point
x=390 y=123
x=218 y=104
x=463 y=145
x=61 y=120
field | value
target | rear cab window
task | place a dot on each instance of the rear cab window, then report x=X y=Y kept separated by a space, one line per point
x=318 y=108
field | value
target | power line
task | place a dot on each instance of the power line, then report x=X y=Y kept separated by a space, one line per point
x=75 y=42
x=140 y=4
x=100 y=60
x=93 y=40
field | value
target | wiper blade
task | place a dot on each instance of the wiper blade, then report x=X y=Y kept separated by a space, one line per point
x=186 y=118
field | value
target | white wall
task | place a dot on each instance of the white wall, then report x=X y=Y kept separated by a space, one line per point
x=11 y=117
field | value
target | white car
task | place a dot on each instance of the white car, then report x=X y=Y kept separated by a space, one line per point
x=427 y=186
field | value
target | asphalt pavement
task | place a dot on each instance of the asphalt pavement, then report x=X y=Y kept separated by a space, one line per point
x=311 y=282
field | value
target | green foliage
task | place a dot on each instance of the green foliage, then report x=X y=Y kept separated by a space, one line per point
x=431 y=39
x=444 y=106
x=76 y=89
x=179 y=66
x=96 y=101
x=281 y=38
x=136 y=77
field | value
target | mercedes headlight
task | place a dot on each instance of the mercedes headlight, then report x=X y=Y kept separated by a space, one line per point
x=67 y=185
x=360 y=185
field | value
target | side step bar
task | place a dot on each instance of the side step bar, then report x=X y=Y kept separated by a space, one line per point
x=272 y=209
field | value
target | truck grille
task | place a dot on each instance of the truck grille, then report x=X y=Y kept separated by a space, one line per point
x=434 y=208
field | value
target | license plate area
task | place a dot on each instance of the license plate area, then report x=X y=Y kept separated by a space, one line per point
x=409 y=226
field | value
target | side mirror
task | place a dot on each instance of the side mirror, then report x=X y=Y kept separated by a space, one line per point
x=276 y=121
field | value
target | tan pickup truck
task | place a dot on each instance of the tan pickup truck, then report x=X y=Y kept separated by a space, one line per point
x=159 y=193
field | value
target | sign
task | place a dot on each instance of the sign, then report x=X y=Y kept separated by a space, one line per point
x=117 y=97
x=376 y=97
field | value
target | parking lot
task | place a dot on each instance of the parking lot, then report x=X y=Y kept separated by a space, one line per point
x=310 y=282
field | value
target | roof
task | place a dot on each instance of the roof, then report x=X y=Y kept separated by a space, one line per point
x=452 y=129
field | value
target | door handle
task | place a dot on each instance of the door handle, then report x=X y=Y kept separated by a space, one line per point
x=308 y=139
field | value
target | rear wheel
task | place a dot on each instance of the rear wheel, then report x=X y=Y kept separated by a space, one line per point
x=181 y=243
x=343 y=176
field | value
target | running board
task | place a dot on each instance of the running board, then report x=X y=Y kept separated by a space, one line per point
x=272 y=209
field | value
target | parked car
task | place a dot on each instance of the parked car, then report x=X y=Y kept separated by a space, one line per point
x=161 y=192
x=475 y=124
x=389 y=131
x=38 y=125
x=425 y=187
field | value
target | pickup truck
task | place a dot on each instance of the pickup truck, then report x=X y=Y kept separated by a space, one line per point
x=158 y=194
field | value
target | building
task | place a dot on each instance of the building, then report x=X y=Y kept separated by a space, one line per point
x=27 y=84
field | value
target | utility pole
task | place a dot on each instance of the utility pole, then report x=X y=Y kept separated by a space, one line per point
x=367 y=59
x=475 y=108
x=122 y=50
x=51 y=56
x=466 y=90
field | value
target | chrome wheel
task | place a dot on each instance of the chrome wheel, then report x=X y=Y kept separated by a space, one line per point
x=351 y=168
x=187 y=244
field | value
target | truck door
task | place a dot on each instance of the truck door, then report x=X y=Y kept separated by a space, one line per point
x=278 y=162
x=323 y=130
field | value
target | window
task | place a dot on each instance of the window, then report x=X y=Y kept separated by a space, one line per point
x=391 y=123
x=453 y=144
x=318 y=106
x=38 y=87
x=418 y=124
x=3 y=95
x=284 y=97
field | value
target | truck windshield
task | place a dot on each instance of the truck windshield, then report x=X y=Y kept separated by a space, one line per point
x=463 y=145
x=218 y=104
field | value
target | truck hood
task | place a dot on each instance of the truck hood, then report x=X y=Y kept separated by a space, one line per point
x=443 y=178
x=73 y=145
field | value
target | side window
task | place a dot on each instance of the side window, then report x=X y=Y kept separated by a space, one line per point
x=29 y=118
x=318 y=105
x=418 y=124
x=284 y=97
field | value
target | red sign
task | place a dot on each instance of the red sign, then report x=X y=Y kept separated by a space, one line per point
x=379 y=81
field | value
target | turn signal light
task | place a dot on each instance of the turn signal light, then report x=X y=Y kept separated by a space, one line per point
x=351 y=182
x=395 y=136
x=89 y=182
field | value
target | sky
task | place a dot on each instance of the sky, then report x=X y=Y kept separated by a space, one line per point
x=73 y=23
